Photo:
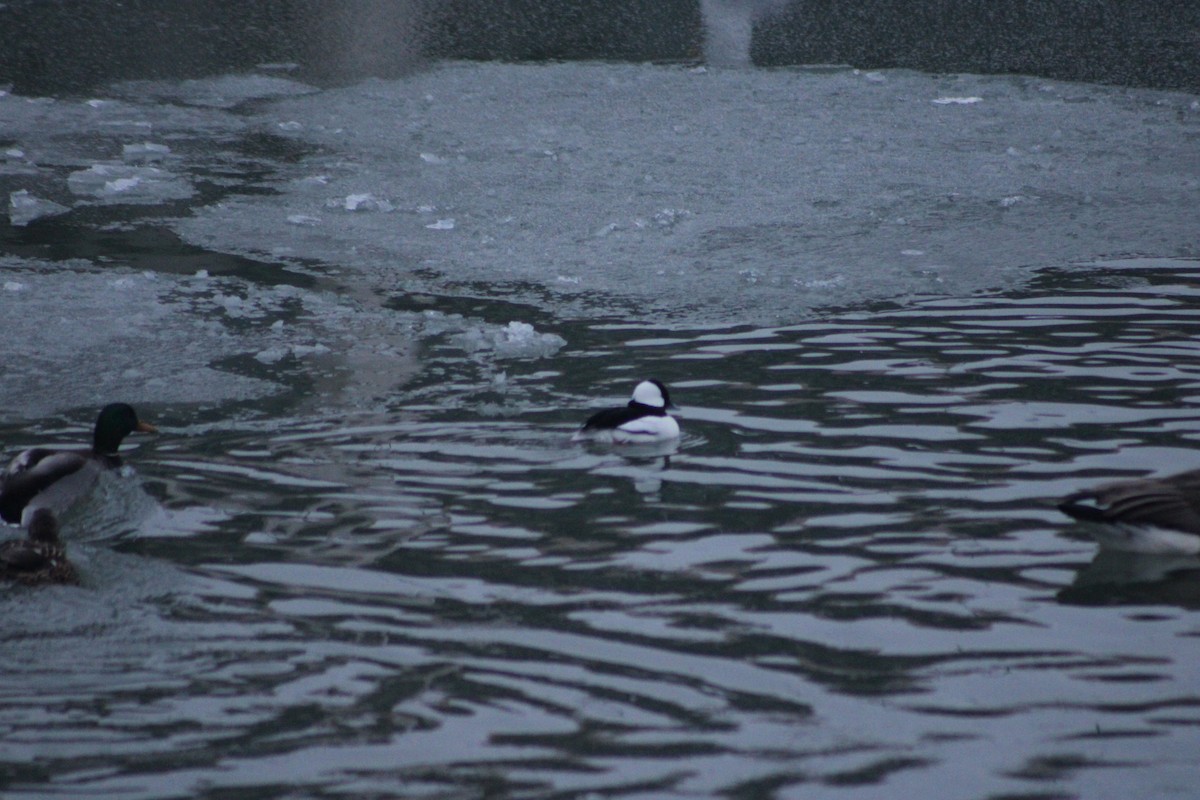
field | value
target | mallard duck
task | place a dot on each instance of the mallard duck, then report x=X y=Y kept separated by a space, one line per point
x=1154 y=515
x=643 y=419
x=55 y=479
x=39 y=558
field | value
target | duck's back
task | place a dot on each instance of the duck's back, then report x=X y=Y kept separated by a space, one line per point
x=42 y=478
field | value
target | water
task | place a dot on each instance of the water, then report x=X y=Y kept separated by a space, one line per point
x=364 y=559
x=837 y=584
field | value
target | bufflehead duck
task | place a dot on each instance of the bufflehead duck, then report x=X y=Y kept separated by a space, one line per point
x=643 y=419
x=39 y=558
x=1155 y=515
x=55 y=479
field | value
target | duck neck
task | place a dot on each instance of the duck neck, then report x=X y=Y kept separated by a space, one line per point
x=648 y=409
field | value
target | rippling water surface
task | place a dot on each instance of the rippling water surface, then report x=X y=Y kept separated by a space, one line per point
x=849 y=578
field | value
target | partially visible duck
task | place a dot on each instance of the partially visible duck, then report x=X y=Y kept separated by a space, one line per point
x=643 y=419
x=1154 y=515
x=39 y=558
x=55 y=479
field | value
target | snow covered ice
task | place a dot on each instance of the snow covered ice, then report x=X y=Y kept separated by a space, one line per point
x=817 y=181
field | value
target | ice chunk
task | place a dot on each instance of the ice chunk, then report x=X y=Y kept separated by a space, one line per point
x=24 y=208
x=146 y=151
x=123 y=183
x=515 y=340
x=272 y=355
x=957 y=101
x=362 y=202
x=441 y=225
x=276 y=353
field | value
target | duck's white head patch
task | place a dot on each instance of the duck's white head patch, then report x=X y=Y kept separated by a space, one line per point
x=650 y=393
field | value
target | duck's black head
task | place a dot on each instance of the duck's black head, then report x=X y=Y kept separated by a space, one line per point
x=116 y=421
x=43 y=527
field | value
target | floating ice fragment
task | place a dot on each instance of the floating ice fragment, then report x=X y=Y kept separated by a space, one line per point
x=569 y=279
x=276 y=353
x=13 y=286
x=362 y=202
x=303 y=219
x=441 y=225
x=146 y=151
x=669 y=217
x=1008 y=202
x=957 y=101
x=24 y=208
x=912 y=252
x=432 y=158
x=119 y=185
x=821 y=283
x=97 y=103
x=14 y=152
x=515 y=340
x=125 y=183
x=271 y=355
x=291 y=125
x=201 y=273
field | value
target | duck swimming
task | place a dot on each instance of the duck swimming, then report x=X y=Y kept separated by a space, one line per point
x=1152 y=515
x=39 y=558
x=55 y=479
x=643 y=419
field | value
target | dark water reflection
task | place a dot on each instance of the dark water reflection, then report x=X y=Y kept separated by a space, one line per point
x=848 y=579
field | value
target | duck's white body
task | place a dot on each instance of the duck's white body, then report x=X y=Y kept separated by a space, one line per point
x=643 y=420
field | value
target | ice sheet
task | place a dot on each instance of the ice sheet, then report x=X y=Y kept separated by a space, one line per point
x=703 y=195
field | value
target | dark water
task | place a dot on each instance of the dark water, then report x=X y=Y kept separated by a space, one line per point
x=848 y=579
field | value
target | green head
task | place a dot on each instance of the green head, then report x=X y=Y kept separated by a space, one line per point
x=116 y=421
